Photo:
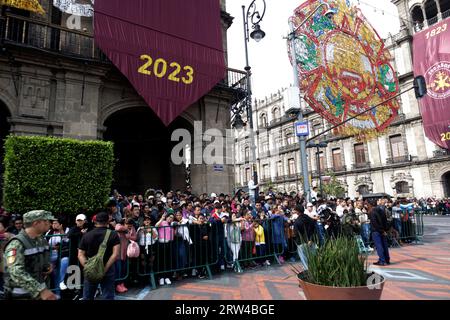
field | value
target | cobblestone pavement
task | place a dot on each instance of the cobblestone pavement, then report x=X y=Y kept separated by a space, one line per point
x=417 y=271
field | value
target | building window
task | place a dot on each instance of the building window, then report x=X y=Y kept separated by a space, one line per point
x=321 y=161
x=247 y=153
x=276 y=113
x=266 y=171
x=431 y=12
x=402 y=187
x=278 y=142
x=279 y=168
x=397 y=148
x=265 y=146
x=263 y=120
x=291 y=163
x=445 y=8
x=360 y=154
x=290 y=138
x=316 y=128
x=417 y=18
x=363 y=189
x=248 y=175
x=337 y=160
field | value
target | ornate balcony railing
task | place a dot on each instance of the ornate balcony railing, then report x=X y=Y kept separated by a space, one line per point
x=279 y=178
x=52 y=38
x=275 y=121
x=361 y=165
x=264 y=180
x=49 y=37
x=337 y=169
x=432 y=21
x=445 y=14
x=441 y=153
x=290 y=147
x=400 y=159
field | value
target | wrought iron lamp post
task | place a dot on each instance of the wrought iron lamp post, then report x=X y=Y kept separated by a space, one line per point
x=253 y=16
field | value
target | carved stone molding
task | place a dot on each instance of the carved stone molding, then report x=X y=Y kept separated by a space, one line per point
x=402 y=177
x=364 y=180
x=437 y=170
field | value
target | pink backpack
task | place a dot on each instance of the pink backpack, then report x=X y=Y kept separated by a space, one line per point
x=133 y=249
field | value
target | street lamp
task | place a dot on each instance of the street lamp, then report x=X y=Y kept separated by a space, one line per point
x=298 y=112
x=318 y=146
x=254 y=16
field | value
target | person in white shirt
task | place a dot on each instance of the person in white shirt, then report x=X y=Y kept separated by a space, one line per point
x=252 y=190
x=340 y=209
x=311 y=211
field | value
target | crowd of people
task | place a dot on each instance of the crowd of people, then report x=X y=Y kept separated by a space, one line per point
x=176 y=234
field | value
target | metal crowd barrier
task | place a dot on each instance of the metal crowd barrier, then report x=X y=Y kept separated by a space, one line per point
x=179 y=249
x=241 y=248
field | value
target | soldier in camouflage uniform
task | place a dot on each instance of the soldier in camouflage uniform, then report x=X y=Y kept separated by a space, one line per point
x=27 y=258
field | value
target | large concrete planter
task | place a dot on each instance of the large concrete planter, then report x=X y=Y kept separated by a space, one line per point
x=318 y=292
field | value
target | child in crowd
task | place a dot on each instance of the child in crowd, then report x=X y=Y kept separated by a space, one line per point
x=260 y=242
x=147 y=236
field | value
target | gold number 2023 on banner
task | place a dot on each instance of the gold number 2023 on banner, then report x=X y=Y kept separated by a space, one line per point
x=160 y=69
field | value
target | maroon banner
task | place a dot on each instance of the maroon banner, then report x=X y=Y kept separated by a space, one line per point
x=170 y=50
x=431 y=52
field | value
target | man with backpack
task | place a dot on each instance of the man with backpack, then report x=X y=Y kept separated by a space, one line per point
x=97 y=252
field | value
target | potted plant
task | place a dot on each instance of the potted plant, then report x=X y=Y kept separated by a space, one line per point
x=337 y=271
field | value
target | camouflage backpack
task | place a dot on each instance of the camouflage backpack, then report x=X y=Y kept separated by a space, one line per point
x=94 y=269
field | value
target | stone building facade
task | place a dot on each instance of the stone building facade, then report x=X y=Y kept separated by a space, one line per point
x=402 y=162
x=54 y=81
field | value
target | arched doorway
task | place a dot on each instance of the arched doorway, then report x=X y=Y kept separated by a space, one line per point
x=4 y=131
x=446 y=183
x=142 y=149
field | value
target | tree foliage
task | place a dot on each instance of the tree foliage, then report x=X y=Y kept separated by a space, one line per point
x=334 y=187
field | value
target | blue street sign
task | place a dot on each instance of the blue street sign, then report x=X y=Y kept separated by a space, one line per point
x=301 y=129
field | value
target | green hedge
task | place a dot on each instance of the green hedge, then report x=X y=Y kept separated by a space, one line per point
x=59 y=175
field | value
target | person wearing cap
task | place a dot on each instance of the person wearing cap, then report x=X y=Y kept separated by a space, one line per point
x=269 y=203
x=89 y=247
x=75 y=234
x=28 y=260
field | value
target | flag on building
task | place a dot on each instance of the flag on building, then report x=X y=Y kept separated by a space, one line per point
x=431 y=55
x=170 y=51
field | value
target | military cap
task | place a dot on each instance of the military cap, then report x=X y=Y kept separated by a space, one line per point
x=37 y=215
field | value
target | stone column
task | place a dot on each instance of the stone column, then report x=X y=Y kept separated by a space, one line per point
x=215 y=117
x=439 y=14
x=425 y=20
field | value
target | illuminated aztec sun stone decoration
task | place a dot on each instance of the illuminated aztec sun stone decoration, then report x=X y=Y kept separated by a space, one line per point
x=344 y=68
